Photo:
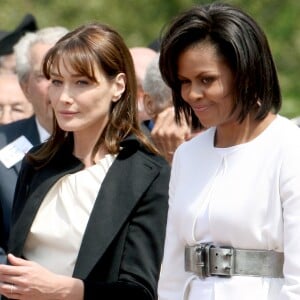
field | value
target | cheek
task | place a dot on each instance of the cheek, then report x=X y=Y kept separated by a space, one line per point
x=38 y=90
x=184 y=92
x=53 y=96
x=43 y=88
x=219 y=92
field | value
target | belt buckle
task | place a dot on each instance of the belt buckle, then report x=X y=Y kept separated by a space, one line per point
x=197 y=259
x=222 y=261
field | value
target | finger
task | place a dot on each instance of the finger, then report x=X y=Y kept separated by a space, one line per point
x=16 y=261
x=165 y=117
x=7 y=270
x=10 y=291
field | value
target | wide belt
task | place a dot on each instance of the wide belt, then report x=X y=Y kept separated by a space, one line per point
x=209 y=260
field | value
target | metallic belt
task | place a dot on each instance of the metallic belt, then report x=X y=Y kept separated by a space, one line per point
x=208 y=260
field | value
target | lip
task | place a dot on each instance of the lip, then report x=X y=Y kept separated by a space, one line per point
x=67 y=113
x=200 y=108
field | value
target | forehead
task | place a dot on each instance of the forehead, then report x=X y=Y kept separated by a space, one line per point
x=141 y=57
x=203 y=48
x=64 y=66
x=10 y=89
x=38 y=50
x=37 y=54
x=202 y=55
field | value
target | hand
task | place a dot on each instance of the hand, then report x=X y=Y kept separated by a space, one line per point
x=27 y=280
x=167 y=135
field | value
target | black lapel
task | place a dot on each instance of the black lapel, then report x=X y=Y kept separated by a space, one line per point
x=121 y=189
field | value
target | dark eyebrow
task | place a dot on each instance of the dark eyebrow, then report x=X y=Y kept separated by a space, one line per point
x=55 y=74
x=72 y=75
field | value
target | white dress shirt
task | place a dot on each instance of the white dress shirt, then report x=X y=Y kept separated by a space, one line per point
x=43 y=133
x=246 y=196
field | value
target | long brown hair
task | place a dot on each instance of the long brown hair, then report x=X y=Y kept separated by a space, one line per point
x=86 y=48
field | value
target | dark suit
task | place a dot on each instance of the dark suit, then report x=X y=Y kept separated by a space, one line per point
x=9 y=133
x=122 y=247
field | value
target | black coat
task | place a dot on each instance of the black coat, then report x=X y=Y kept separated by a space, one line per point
x=8 y=177
x=122 y=247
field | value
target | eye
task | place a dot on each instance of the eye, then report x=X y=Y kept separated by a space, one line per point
x=56 y=82
x=18 y=108
x=183 y=81
x=207 y=80
x=82 y=82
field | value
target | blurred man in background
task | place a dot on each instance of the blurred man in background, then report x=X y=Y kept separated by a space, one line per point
x=142 y=56
x=13 y=103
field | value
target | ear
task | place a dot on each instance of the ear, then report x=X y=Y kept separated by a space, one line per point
x=119 y=86
x=149 y=105
x=24 y=87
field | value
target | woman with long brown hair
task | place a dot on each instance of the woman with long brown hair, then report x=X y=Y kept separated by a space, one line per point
x=91 y=203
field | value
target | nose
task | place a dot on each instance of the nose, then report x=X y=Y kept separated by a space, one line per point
x=5 y=115
x=195 y=92
x=65 y=95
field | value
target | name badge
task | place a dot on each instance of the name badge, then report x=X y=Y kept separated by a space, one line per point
x=15 y=151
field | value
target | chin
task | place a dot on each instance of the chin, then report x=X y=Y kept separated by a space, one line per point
x=207 y=123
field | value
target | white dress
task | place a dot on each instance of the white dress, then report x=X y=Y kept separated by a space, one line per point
x=246 y=196
x=57 y=230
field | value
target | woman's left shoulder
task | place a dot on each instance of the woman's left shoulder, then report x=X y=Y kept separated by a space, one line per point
x=153 y=158
x=132 y=147
x=287 y=128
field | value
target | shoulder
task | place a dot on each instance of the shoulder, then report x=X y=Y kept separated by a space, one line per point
x=285 y=132
x=284 y=140
x=132 y=148
x=11 y=131
x=287 y=124
x=16 y=125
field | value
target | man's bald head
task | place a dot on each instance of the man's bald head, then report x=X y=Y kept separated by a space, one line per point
x=142 y=56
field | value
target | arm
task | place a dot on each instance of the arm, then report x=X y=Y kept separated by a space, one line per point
x=290 y=197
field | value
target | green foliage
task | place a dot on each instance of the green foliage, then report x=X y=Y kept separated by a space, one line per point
x=140 y=22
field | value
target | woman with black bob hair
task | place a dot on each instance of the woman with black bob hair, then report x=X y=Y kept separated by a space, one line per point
x=234 y=197
x=90 y=205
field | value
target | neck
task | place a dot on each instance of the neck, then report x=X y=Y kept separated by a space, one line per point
x=235 y=133
x=83 y=150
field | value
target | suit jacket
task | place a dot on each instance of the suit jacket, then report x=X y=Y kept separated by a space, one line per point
x=122 y=247
x=9 y=133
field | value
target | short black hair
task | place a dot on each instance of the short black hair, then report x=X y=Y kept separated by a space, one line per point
x=239 y=40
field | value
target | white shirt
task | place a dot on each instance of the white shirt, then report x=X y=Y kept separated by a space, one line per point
x=246 y=196
x=56 y=233
x=43 y=133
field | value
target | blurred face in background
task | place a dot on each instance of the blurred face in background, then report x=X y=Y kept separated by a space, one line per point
x=13 y=103
x=8 y=64
x=141 y=56
x=36 y=86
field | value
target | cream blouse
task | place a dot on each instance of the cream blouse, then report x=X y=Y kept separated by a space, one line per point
x=57 y=230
